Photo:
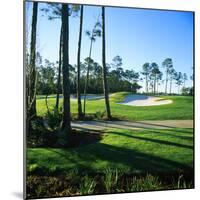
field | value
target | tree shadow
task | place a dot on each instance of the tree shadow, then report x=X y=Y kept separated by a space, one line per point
x=78 y=163
x=159 y=125
x=154 y=140
x=148 y=126
x=190 y=138
x=137 y=161
x=112 y=124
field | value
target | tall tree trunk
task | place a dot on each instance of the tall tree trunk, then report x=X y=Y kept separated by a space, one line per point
x=154 y=86
x=170 y=90
x=46 y=102
x=147 y=86
x=166 y=82
x=59 y=70
x=178 y=88
x=66 y=119
x=32 y=85
x=78 y=66
x=157 y=86
x=87 y=78
x=105 y=84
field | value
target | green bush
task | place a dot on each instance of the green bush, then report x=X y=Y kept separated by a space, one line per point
x=100 y=114
x=181 y=183
x=87 y=185
x=143 y=184
x=39 y=135
x=54 y=117
x=110 y=180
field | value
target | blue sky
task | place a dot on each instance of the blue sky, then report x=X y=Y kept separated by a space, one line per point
x=137 y=35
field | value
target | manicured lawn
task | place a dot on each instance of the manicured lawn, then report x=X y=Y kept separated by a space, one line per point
x=140 y=151
x=181 y=108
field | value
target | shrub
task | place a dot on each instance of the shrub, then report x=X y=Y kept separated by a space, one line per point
x=110 y=179
x=181 y=183
x=81 y=183
x=100 y=114
x=87 y=185
x=39 y=135
x=54 y=117
x=143 y=184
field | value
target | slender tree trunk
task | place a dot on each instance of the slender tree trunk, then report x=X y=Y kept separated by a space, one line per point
x=157 y=86
x=59 y=70
x=32 y=91
x=27 y=67
x=66 y=119
x=78 y=66
x=105 y=84
x=87 y=79
x=170 y=90
x=46 y=102
x=192 y=89
x=147 y=86
x=166 y=81
x=154 y=87
x=178 y=88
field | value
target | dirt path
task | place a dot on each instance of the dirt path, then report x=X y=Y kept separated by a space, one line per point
x=154 y=124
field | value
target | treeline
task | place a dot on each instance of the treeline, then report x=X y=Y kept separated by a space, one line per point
x=118 y=78
x=154 y=77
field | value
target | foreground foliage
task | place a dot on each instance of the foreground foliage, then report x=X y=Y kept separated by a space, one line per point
x=111 y=181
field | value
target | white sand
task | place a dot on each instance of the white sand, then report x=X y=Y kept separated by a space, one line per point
x=142 y=100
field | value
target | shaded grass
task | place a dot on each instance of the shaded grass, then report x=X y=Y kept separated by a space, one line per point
x=138 y=151
x=181 y=108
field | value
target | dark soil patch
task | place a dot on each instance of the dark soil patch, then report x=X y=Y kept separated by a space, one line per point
x=81 y=138
x=43 y=137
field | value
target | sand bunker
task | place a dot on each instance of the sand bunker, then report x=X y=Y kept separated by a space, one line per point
x=142 y=100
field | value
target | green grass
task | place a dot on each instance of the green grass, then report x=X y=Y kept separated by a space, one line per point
x=138 y=151
x=181 y=108
x=118 y=97
x=44 y=96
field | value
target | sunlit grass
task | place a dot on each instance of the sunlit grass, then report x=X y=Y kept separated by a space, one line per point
x=180 y=108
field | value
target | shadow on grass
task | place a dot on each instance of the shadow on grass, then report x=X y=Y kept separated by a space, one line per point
x=155 y=132
x=136 y=161
x=97 y=156
x=148 y=126
x=154 y=140
x=117 y=124
x=164 y=126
